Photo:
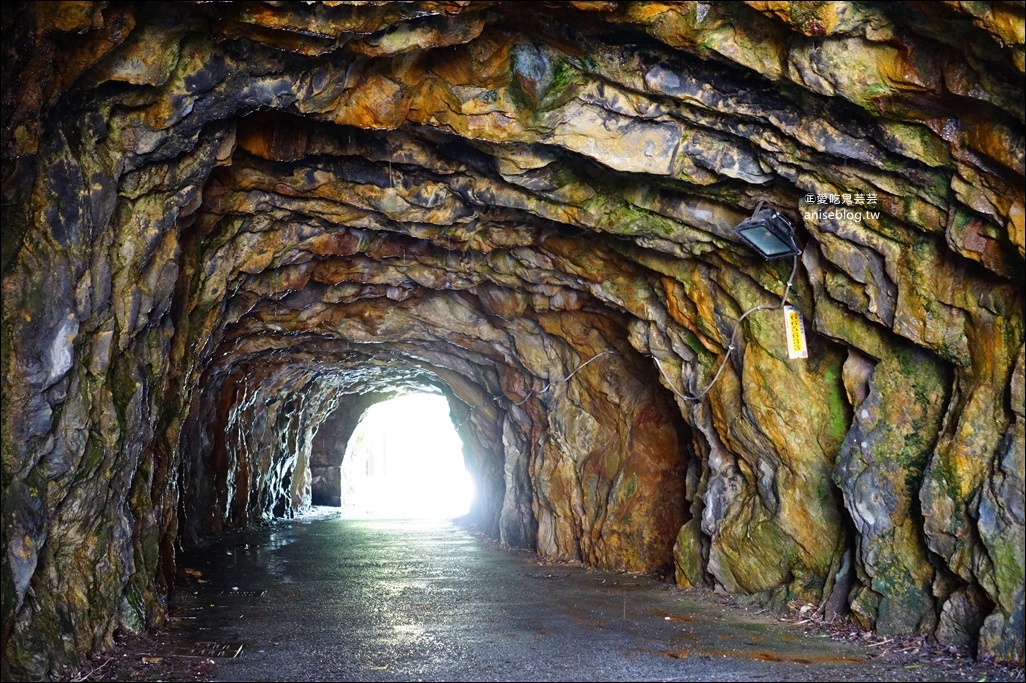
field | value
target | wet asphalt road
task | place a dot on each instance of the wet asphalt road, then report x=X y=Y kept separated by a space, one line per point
x=424 y=600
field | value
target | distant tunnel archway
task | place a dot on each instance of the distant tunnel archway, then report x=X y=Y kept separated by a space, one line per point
x=405 y=461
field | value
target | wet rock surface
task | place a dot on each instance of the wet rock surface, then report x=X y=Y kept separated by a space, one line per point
x=332 y=599
x=224 y=222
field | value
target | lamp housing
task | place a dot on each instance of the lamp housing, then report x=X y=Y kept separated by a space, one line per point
x=769 y=233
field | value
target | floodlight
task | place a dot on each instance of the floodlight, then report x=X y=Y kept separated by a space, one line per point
x=769 y=233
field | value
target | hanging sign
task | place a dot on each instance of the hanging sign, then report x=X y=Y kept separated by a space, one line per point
x=794 y=329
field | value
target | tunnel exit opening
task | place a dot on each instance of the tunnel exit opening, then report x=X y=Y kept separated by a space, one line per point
x=405 y=461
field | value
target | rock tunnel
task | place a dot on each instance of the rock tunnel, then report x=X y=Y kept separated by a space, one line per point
x=224 y=223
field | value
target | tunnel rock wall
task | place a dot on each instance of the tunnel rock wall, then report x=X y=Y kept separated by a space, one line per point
x=222 y=221
x=328 y=449
x=248 y=458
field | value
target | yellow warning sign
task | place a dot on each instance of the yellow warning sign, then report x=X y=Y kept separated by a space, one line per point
x=794 y=328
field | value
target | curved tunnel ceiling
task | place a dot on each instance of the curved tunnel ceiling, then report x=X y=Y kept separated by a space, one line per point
x=224 y=222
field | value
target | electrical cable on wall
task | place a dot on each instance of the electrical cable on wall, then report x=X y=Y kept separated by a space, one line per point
x=548 y=386
x=565 y=379
x=733 y=333
x=769 y=233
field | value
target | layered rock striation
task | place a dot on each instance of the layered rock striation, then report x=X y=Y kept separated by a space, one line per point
x=224 y=222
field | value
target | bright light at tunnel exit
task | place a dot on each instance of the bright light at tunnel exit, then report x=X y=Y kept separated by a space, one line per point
x=405 y=460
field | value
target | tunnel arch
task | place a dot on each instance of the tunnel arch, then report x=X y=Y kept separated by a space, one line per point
x=223 y=222
x=405 y=460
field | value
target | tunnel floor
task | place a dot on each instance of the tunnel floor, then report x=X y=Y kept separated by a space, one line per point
x=322 y=598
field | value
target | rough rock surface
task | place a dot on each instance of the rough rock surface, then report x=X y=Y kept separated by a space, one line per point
x=328 y=449
x=224 y=221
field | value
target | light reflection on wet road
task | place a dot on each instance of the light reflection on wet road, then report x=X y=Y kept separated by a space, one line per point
x=426 y=600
